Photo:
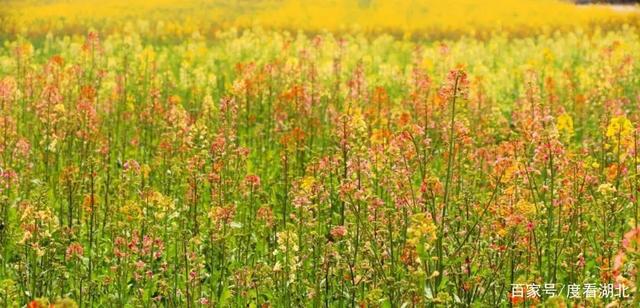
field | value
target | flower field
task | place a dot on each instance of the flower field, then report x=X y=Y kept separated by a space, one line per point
x=305 y=165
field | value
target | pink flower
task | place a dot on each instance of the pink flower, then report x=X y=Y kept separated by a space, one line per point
x=252 y=180
x=140 y=264
x=339 y=232
x=73 y=250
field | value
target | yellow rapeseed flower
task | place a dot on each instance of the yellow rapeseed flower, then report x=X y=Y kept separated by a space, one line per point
x=620 y=133
x=565 y=125
x=421 y=231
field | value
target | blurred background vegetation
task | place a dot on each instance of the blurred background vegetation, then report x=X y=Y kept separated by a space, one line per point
x=165 y=19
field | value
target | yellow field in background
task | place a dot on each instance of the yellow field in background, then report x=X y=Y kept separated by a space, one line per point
x=431 y=18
